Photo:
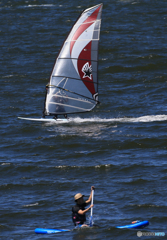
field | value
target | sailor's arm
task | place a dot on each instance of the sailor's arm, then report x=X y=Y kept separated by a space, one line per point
x=86 y=210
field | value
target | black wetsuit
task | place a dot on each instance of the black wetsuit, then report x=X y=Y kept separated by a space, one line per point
x=76 y=217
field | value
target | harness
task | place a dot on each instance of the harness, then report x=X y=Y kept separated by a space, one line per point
x=76 y=217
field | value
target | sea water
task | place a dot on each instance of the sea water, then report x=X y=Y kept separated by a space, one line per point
x=120 y=147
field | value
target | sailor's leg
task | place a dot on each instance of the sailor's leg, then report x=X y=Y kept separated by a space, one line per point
x=43 y=114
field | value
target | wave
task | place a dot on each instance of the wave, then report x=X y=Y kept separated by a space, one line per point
x=91 y=166
x=8 y=76
x=31 y=205
x=146 y=205
x=4 y=164
x=41 y=5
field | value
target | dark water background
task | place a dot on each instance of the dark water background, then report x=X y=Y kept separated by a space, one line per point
x=120 y=147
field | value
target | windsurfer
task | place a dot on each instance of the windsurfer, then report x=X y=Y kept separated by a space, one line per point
x=47 y=90
x=60 y=99
x=79 y=211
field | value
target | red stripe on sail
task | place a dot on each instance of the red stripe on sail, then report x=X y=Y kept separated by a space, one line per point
x=87 y=23
x=84 y=61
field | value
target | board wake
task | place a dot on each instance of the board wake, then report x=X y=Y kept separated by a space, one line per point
x=45 y=119
x=143 y=119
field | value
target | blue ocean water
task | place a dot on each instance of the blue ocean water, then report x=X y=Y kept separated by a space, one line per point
x=120 y=147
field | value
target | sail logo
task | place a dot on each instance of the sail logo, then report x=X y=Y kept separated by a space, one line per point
x=87 y=70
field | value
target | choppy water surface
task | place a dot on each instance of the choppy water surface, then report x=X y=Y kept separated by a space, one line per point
x=120 y=147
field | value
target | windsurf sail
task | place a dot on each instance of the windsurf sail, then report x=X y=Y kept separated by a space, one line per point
x=73 y=85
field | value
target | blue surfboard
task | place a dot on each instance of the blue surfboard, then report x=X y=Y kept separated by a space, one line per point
x=48 y=231
x=136 y=225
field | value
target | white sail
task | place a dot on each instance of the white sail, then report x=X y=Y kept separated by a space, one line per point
x=73 y=85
